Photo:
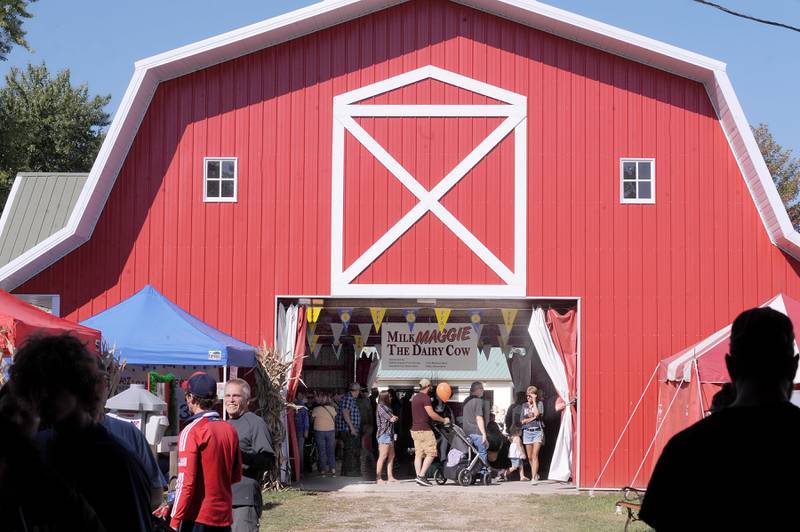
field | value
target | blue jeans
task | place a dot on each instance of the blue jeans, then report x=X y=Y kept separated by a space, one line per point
x=477 y=441
x=326 y=444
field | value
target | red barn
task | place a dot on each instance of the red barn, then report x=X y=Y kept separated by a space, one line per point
x=482 y=153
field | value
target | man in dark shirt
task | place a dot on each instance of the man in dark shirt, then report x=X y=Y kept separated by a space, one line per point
x=738 y=467
x=258 y=454
x=475 y=417
x=424 y=441
x=61 y=379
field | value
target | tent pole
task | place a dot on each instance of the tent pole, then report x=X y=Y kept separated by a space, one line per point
x=224 y=380
x=699 y=390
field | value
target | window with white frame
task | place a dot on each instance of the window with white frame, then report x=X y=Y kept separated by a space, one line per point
x=637 y=180
x=220 y=179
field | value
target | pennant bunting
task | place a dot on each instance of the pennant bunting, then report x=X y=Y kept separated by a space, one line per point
x=316 y=350
x=311 y=328
x=345 y=314
x=359 y=341
x=364 y=329
x=509 y=316
x=411 y=318
x=313 y=341
x=504 y=332
x=487 y=351
x=338 y=351
x=377 y=317
x=442 y=315
x=475 y=320
x=312 y=314
x=336 y=329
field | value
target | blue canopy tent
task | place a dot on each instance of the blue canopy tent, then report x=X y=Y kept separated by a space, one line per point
x=149 y=329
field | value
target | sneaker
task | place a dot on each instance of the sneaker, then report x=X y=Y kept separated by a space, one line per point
x=534 y=482
x=422 y=481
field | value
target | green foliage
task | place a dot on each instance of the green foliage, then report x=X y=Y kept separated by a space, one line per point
x=47 y=125
x=12 y=13
x=784 y=168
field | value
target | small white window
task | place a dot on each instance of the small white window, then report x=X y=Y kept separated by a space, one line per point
x=220 y=179
x=637 y=180
x=50 y=303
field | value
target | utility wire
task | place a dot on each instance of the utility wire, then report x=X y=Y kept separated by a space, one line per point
x=748 y=17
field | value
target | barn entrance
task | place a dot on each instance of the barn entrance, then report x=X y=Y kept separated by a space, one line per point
x=392 y=343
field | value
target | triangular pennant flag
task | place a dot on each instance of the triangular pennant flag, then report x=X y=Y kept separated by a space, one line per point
x=509 y=316
x=359 y=341
x=487 y=351
x=364 y=329
x=411 y=318
x=377 y=317
x=345 y=314
x=312 y=314
x=312 y=327
x=336 y=329
x=442 y=315
x=506 y=349
x=504 y=332
x=316 y=350
x=313 y=342
x=475 y=320
x=478 y=329
x=338 y=351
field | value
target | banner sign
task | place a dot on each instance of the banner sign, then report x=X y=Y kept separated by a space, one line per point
x=429 y=349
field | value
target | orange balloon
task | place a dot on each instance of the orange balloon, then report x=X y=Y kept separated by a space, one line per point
x=443 y=391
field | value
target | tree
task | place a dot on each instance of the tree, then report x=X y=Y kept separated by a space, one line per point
x=47 y=125
x=12 y=13
x=784 y=168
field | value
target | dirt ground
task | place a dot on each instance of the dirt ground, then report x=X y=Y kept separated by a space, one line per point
x=462 y=510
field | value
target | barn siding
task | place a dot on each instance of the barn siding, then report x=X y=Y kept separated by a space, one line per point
x=652 y=278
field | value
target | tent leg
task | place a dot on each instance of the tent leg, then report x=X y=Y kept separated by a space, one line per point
x=224 y=380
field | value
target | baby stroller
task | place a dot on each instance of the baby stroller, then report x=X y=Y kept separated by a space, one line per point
x=462 y=463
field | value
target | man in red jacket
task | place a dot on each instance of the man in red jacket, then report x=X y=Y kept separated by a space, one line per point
x=209 y=462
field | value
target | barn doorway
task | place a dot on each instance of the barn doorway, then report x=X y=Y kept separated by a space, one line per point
x=345 y=346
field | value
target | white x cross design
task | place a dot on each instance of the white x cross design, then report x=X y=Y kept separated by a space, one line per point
x=514 y=112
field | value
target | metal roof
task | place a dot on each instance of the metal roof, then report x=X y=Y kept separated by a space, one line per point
x=39 y=205
x=491 y=370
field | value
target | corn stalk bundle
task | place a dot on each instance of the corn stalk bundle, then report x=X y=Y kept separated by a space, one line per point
x=113 y=365
x=272 y=378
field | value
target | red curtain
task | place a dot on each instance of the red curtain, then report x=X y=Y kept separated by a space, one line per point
x=564 y=332
x=291 y=391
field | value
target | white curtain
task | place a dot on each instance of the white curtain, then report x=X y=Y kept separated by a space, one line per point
x=280 y=331
x=561 y=466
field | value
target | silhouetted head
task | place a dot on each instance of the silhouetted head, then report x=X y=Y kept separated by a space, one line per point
x=520 y=398
x=58 y=377
x=762 y=350
x=476 y=389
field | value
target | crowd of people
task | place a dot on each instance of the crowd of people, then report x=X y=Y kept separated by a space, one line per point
x=60 y=450
x=375 y=434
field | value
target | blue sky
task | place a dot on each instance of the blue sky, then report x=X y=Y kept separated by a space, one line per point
x=99 y=40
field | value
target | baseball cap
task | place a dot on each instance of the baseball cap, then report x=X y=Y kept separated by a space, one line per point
x=355 y=386
x=424 y=383
x=200 y=384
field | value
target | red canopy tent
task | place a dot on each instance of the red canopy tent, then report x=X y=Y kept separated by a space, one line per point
x=688 y=380
x=20 y=320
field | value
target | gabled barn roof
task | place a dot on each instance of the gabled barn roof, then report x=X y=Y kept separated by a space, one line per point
x=150 y=72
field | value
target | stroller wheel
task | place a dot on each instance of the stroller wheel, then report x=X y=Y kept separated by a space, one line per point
x=438 y=476
x=486 y=478
x=465 y=477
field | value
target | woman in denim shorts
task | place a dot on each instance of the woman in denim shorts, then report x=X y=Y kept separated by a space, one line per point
x=533 y=429
x=385 y=433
